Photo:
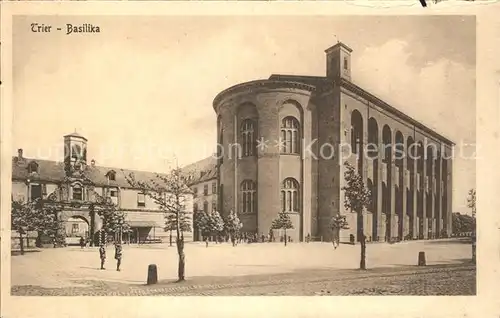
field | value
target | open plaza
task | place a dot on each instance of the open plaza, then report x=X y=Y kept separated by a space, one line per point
x=221 y=269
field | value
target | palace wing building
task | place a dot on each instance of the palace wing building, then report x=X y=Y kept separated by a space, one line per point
x=76 y=185
x=304 y=121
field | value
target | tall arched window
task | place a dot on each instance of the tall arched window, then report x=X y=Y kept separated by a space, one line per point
x=205 y=207
x=356 y=131
x=248 y=196
x=247 y=138
x=290 y=136
x=290 y=195
x=195 y=207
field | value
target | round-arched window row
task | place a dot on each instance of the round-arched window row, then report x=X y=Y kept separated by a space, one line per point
x=290 y=196
x=248 y=138
x=290 y=136
x=248 y=191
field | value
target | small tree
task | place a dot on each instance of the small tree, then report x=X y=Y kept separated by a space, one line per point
x=471 y=203
x=49 y=223
x=171 y=224
x=217 y=225
x=23 y=218
x=210 y=224
x=282 y=221
x=233 y=226
x=337 y=223
x=356 y=199
x=171 y=193
x=113 y=219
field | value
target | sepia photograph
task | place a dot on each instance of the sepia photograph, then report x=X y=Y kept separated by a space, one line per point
x=227 y=155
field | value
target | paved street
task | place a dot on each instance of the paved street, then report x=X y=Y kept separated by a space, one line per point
x=252 y=269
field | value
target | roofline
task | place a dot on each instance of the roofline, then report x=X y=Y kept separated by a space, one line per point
x=365 y=94
x=71 y=135
x=189 y=184
x=261 y=83
x=339 y=44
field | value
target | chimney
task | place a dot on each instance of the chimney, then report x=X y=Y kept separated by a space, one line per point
x=20 y=154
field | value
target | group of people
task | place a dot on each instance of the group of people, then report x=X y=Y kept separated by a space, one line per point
x=102 y=252
x=118 y=255
x=247 y=237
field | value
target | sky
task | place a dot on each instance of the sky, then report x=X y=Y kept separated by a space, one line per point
x=141 y=90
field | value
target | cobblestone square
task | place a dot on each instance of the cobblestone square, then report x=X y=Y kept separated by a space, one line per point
x=310 y=268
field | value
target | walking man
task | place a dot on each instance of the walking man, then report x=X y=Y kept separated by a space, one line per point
x=82 y=242
x=118 y=255
x=102 y=254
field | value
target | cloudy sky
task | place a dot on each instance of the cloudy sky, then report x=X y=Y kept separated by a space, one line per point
x=142 y=89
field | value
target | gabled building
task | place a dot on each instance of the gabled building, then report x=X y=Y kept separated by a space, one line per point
x=76 y=185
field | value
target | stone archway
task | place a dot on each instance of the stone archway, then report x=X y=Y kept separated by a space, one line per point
x=77 y=226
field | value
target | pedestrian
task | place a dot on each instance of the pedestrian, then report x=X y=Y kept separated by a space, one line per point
x=102 y=254
x=82 y=242
x=118 y=255
x=336 y=240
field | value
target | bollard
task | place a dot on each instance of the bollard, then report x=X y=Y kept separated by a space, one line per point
x=152 y=274
x=421 y=259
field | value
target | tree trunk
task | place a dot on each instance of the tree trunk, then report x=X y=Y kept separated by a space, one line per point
x=171 y=237
x=21 y=243
x=180 y=250
x=362 y=262
x=38 y=242
x=182 y=259
x=27 y=240
x=285 y=237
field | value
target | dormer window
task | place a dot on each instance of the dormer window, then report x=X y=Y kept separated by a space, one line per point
x=111 y=175
x=141 y=200
x=33 y=167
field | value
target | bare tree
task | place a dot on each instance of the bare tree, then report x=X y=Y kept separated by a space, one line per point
x=471 y=203
x=171 y=193
x=357 y=198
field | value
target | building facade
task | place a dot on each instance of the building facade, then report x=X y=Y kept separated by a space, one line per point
x=76 y=185
x=284 y=141
x=203 y=183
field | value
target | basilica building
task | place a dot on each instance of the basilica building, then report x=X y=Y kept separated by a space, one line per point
x=292 y=136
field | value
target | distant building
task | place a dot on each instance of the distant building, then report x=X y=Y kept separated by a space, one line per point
x=204 y=186
x=76 y=184
x=297 y=116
